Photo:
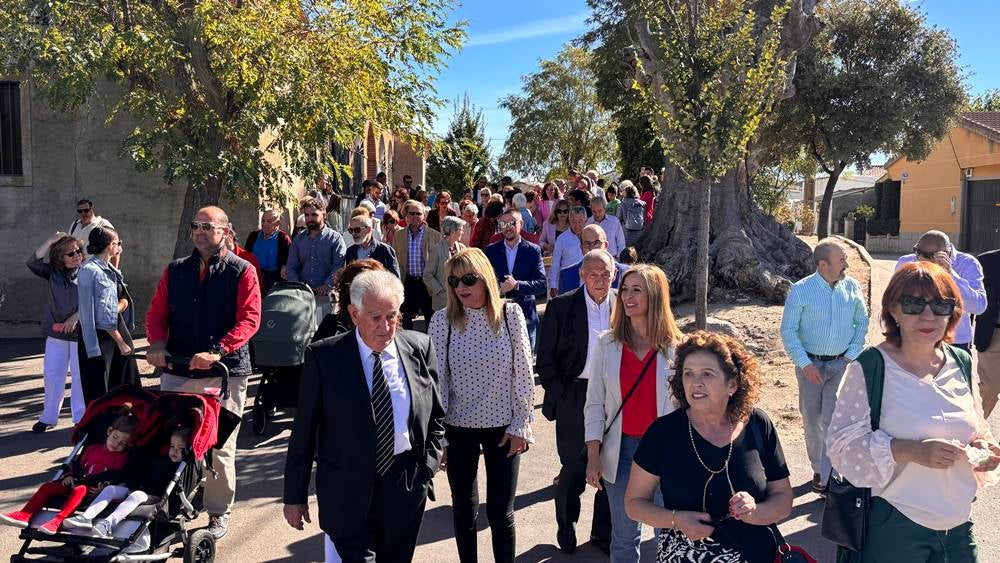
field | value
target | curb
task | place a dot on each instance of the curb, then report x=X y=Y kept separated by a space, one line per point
x=866 y=258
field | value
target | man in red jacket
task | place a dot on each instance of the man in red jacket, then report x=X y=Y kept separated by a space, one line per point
x=206 y=307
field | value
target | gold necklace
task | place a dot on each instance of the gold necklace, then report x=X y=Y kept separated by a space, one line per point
x=712 y=472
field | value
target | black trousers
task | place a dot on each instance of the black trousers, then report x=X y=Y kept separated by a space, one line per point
x=389 y=533
x=415 y=300
x=464 y=445
x=267 y=279
x=573 y=476
x=96 y=373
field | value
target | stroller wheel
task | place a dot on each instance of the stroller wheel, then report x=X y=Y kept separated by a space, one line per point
x=259 y=418
x=200 y=547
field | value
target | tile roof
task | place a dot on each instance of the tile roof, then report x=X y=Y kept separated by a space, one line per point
x=986 y=123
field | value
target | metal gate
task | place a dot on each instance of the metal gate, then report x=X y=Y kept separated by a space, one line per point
x=982 y=212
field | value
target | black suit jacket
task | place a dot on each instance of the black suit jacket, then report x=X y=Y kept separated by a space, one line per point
x=382 y=253
x=562 y=346
x=334 y=425
x=987 y=322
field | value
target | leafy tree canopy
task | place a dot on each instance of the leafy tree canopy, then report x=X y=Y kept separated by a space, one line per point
x=987 y=101
x=464 y=153
x=557 y=121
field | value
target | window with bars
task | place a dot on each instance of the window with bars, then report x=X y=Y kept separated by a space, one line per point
x=11 y=161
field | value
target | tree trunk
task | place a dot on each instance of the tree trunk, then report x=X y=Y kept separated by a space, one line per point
x=194 y=199
x=747 y=250
x=701 y=259
x=823 y=222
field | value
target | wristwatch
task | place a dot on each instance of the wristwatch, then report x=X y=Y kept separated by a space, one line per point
x=218 y=349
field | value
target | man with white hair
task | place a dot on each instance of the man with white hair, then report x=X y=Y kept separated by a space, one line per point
x=966 y=272
x=365 y=246
x=592 y=238
x=412 y=246
x=609 y=223
x=381 y=383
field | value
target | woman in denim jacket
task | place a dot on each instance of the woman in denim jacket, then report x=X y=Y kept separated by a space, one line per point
x=100 y=304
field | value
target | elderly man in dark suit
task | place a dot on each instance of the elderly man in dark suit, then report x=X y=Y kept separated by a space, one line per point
x=519 y=268
x=365 y=245
x=987 y=337
x=569 y=329
x=591 y=238
x=370 y=414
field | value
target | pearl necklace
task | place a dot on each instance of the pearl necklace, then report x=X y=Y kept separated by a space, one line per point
x=712 y=472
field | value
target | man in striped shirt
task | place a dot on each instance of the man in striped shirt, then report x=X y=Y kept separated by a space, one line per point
x=823 y=329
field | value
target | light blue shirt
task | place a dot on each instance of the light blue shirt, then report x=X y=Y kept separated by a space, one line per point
x=399 y=390
x=967 y=273
x=97 y=283
x=314 y=260
x=824 y=320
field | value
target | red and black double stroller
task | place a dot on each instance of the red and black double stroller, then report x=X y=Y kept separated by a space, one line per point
x=155 y=531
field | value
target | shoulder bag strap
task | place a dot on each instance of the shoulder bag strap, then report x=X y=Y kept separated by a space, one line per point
x=510 y=335
x=873 y=365
x=447 y=353
x=635 y=386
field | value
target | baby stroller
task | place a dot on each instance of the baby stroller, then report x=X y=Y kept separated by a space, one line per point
x=156 y=527
x=287 y=323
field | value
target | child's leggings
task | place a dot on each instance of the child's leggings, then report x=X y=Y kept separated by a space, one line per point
x=54 y=488
x=132 y=500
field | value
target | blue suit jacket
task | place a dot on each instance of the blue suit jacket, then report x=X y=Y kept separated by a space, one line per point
x=569 y=277
x=528 y=271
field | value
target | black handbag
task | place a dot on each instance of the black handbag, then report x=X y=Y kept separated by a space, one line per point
x=584 y=457
x=845 y=515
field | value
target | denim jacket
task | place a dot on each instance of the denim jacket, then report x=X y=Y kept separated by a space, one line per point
x=97 y=282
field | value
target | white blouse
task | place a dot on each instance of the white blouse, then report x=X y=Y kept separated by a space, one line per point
x=942 y=407
x=479 y=386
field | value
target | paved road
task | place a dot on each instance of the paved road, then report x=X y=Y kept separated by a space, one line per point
x=259 y=533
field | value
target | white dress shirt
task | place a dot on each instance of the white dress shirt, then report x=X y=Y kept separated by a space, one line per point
x=598 y=321
x=399 y=391
x=511 y=255
x=613 y=229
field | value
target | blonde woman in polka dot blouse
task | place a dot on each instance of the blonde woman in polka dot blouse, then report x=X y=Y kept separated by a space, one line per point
x=487 y=387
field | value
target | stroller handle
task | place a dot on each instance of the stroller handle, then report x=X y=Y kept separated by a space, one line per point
x=216 y=366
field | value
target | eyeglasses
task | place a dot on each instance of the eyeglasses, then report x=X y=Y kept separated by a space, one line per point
x=468 y=280
x=82 y=211
x=76 y=252
x=204 y=226
x=941 y=306
x=357 y=230
x=562 y=211
x=507 y=224
x=591 y=243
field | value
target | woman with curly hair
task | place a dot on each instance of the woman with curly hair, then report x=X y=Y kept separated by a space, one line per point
x=627 y=386
x=717 y=461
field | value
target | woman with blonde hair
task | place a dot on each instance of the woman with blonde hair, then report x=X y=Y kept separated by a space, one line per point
x=628 y=389
x=487 y=390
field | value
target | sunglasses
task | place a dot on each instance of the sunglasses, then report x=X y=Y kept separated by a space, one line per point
x=357 y=230
x=468 y=280
x=562 y=211
x=507 y=224
x=204 y=226
x=82 y=211
x=76 y=252
x=941 y=306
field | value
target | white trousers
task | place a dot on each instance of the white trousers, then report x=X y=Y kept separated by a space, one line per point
x=130 y=501
x=60 y=357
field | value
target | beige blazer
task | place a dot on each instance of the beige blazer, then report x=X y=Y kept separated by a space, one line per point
x=399 y=244
x=604 y=396
x=436 y=275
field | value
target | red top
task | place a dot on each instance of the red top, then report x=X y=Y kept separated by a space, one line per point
x=650 y=201
x=249 y=257
x=247 y=311
x=640 y=411
x=98 y=459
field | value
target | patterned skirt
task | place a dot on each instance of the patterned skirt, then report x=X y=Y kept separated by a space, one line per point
x=675 y=547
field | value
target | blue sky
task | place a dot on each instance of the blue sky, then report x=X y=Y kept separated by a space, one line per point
x=506 y=39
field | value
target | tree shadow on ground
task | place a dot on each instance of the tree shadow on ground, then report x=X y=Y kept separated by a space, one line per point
x=438 y=525
x=303 y=550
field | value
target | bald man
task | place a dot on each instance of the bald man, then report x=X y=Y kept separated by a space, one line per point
x=966 y=272
x=592 y=237
x=206 y=307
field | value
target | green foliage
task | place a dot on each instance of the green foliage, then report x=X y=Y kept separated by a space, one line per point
x=709 y=72
x=987 y=101
x=557 y=122
x=769 y=186
x=864 y=211
x=875 y=78
x=464 y=153
x=237 y=96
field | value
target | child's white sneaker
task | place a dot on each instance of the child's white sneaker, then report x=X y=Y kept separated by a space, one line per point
x=79 y=522
x=102 y=529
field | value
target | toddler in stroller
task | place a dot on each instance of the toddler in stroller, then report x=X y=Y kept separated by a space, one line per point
x=99 y=464
x=145 y=480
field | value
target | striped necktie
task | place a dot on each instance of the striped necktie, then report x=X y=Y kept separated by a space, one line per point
x=382 y=411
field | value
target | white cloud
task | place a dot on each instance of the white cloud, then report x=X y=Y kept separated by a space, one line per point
x=566 y=24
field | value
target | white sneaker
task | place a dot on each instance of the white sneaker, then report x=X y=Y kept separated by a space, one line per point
x=102 y=529
x=78 y=522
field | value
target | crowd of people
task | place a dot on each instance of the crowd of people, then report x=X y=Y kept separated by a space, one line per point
x=664 y=425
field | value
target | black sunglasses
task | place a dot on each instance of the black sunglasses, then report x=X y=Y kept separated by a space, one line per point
x=76 y=252
x=941 y=306
x=468 y=280
x=82 y=211
x=562 y=211
x=356 y=230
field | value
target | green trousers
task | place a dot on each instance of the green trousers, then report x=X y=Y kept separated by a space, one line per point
x=894 y=537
